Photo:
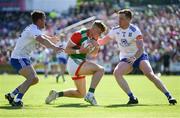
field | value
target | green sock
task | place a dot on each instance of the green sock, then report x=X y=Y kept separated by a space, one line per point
x=61 y=94
x=91 y=90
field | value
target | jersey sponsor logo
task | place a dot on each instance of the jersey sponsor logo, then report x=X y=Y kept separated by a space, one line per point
x=124 y=43
x=124 y=33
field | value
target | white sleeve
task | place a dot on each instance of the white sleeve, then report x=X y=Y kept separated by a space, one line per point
x=111 y=34
x=35 y=32
x=137 y=33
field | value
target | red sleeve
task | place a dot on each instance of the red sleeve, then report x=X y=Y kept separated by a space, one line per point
x=76 y=38
x=139 y=37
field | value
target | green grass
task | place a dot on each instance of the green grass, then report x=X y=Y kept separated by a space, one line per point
x=110 y=97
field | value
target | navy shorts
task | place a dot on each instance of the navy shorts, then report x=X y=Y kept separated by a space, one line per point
x=18 y=64
x=62 y=60
x=137 y=62
x=46 y=63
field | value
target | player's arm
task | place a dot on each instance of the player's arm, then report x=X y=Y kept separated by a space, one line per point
x=96 y=50
x=140 y=46
x=47 y=43
x=104 y=40
x=53 y=39
x=74 y=41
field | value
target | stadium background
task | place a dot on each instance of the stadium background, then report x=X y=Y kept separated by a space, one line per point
x=158 y=20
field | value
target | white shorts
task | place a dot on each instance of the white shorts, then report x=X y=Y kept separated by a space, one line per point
x=73 y=66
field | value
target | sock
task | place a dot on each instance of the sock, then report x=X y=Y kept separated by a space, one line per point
x=60 y=94
x=168 y=95
x=19 y=97
x=13 y=94
x=131 y=96
x=91 y=90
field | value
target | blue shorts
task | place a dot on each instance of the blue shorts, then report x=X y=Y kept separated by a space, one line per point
x=137 y=62
x=46 y=63
x=62 y=60
x=18 y=64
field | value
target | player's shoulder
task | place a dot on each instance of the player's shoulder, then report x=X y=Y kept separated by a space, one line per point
x=81 y=33
x=32 y=27
x=115 y=27
x=133 y=28
x=82 y=30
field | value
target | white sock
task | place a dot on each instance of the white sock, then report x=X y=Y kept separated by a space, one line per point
x=12 y=95
x=17 y=100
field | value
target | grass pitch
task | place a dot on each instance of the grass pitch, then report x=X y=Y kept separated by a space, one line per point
x=111 y=99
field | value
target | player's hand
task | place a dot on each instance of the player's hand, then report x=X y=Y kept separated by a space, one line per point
x=55 y=39
x=58 y=49
x=95 y=44
x=131 y=60
x=84 y=50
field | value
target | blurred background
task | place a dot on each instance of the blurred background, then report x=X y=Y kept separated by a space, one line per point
x=159 y=21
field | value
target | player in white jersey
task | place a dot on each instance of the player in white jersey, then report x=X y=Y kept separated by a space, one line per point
x=132 y=55
x=62 y=59
x=20 y=58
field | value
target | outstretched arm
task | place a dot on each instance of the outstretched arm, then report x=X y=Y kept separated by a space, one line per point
x=53 y=39
x=104 y=40
x=140 y=46
x=47 y=43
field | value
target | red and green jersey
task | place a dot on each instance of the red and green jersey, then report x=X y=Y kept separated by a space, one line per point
x=78 y=38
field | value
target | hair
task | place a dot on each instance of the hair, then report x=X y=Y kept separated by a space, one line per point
x=127 y=12
x=100 y=25
x=36 y=15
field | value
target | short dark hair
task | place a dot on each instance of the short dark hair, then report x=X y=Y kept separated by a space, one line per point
x=127 y=12
x=100 y=25
x=36 y=14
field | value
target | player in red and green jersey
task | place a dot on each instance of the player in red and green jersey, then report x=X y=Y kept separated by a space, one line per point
x=78 y=66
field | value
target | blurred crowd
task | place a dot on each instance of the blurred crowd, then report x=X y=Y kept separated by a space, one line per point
x=160 y=26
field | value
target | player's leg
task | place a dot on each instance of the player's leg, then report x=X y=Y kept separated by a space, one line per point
x=97 y=71
x=148 y=72
x=121 y=69
x=59 y=73
x=89 y=68
x=78 y=67
x=78 y=92
x=63 y=69
x=46 y=69
x=31 y=79
x=62 y=65
x=25 y=69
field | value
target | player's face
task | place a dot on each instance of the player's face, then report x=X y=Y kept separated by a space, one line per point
x=42 y=23
x=96 y=32
x=123 y=20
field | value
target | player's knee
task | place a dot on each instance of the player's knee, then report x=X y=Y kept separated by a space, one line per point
x=150 y=75
x=117 y=73
x=35 y=80
x=101 y=70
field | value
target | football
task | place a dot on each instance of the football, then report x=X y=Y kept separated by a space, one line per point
x=89 y=45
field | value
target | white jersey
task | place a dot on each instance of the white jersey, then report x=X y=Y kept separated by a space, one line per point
x=26 y=43
x=62 y=54
x=126 y=39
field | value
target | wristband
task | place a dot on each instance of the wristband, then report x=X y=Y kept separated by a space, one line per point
x=77 y=52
